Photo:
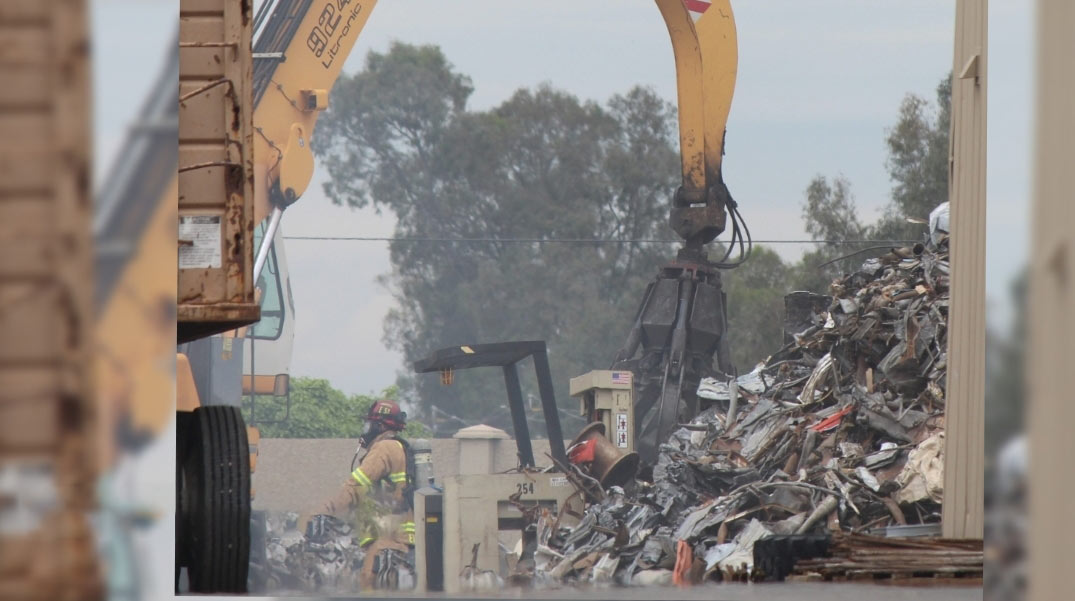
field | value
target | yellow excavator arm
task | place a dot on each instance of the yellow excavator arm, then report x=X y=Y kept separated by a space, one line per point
x=707 y=56
x=299 y=53
x=678 y=347
x=298 y=56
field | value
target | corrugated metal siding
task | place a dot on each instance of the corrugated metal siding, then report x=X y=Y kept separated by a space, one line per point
x=963 y=511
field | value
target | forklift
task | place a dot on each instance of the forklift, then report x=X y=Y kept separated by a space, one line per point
x=460 y=519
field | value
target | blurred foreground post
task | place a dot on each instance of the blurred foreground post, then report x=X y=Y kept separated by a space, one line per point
x=1051 y=308
x=47 y=463
x=962 y=513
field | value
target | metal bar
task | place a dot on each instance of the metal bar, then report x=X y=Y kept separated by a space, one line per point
x=207 y=44
x=548 y=405
x=668 y=411
x=733 y=404
x=206 y=88
x=266 y=241
x=208 y=164
x=962 y=513
x=518 y=415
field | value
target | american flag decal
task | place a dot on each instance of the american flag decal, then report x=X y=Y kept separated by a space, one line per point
x=697 y=7
x=621 y=377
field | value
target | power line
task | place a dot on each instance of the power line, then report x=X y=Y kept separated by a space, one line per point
x=568 y=240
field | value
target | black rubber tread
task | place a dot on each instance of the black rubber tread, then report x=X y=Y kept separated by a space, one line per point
x=219 y=521
x=183 y=428
x=775 y=556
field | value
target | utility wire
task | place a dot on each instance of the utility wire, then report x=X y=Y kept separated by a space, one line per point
x=571 y=240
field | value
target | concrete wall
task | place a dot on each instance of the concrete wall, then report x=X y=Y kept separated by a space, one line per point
x=296 y=474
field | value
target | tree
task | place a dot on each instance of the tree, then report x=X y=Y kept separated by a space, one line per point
x=831 y=218
x=320 y=411
x=917 y=163
x=541 y=166
x=918 y=168
x=756 y=292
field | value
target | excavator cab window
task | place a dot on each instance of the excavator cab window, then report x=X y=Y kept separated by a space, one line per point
x=272 y=295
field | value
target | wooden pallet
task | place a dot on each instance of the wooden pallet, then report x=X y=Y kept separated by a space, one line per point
x=907 y=561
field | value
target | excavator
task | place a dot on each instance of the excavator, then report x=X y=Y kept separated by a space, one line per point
x=298 y=50
x=680 y=332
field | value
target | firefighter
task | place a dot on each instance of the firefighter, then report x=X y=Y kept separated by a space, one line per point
x=383 y=476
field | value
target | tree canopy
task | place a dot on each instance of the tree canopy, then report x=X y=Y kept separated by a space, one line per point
x=917 y=166
x=486 y=201
x=320 y=411
x=543 y=165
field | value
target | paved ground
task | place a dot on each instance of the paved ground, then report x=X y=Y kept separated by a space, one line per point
x=734 y=592
x=787 y=592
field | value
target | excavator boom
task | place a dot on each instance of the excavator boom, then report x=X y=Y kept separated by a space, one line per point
x=704 y=43
x=298 y=56
x=299 y=52
x=680 y=330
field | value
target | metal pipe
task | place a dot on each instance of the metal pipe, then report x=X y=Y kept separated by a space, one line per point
x=266 y=241
x=821 y=512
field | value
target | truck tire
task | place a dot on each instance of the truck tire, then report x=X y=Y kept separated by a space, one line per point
x=215 y=502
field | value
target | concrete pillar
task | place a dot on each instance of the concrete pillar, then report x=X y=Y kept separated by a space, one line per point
x=477 y=448
x=962 y=514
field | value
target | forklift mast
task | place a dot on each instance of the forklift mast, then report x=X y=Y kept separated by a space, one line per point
x=507 y=355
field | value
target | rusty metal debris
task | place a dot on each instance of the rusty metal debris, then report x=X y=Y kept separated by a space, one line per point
x=839 y=432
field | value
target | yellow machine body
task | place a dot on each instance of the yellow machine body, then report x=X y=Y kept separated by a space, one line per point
x=286 y=113
x=707 y=57
x=136 y=333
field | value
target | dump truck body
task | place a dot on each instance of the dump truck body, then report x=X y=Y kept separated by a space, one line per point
x=216 y=176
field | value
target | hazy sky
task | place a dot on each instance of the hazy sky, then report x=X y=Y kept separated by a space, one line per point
x=819 y=82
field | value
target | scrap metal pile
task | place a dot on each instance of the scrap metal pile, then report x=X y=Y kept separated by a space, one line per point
x=841 y=430
x=326 y=560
